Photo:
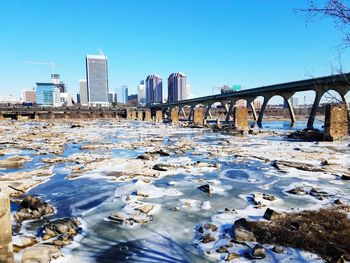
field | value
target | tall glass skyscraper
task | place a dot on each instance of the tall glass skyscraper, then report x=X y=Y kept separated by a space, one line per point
x=154 y=89
x=47 y=94
x=97 y=79
x=83 y=92
x=177 y=87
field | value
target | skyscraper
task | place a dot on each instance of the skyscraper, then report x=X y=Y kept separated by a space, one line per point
x=83 y=92
x=125 y=93
x=177 y=87
x=154 y=89
x=97 y=79
x=141 y=93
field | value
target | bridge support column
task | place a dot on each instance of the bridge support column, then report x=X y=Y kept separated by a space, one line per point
x=252 y=108
x=183 y=113
x=159 y=116
x=336 y=125
x=240 y=118
x=133 y=115
x=198 y=116
x=148 y=116
x=262 y=111
x=311 y=120
x=140 y=115
x=291 y=110
x=229 y=111
x=346 y=105
x=6 y=248
x=190 y=116
x=128 y=114
x=208 y=112
x=174 y=115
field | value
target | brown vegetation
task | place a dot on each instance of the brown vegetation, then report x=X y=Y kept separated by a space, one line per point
x=325 y=232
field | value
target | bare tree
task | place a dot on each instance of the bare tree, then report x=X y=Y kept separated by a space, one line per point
x=337 y=10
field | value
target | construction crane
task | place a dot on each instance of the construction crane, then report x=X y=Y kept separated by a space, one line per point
x=52 y=64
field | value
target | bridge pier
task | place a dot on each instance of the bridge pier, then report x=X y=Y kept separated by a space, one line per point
x=291 y=110
x=159 y=116
x=262 y=111
x=208 y=112
x=140 y=115
x=198 y=116
x=190 y=116
x=252 y=108
x=183 y=112
x=174 y=115
x=148 y=116
x=311 y=120
x=229 y=111
x=240 y=118
x=336 y=122
x=6 y=248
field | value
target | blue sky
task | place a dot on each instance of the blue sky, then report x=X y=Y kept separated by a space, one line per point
x=214 y=42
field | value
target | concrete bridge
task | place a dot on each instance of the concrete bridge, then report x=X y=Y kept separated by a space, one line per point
x=339 y=83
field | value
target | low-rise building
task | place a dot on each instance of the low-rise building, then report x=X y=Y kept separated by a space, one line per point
x=48 y=94
x=28 y=96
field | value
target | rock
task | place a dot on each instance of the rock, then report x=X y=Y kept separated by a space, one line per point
x=222 y=249
x=345 y=177
x=15 y=161
x=271 y=214
x=61 y=226
x=145 y=208
x=258 y=252
x=130 y=219
x=232 y=256
x=278 y=249
x=33 y=208
x=268 y=197
x=242 y=231
x=206 y=188
x=145 y=156
x=21 y=242
x=40 y=254
x=297 y=191
x=159 y=167
x=338 y=202
x=161 y=152
x=62 y=240
x=210 y=227
x=207 y=238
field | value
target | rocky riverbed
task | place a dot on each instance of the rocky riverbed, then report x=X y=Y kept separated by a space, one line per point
x=115 y=191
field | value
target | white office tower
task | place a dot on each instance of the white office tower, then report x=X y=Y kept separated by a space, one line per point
x=97 y=80
x=83 y=91
x=141 y=93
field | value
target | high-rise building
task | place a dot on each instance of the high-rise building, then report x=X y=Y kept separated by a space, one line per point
x=141 y=93
x=177 y=87
x=124 y=91
x=154 y=89
x=83 y=91
x=188 y=91
x=28 y=96
x=47 y=94
x=97 y=79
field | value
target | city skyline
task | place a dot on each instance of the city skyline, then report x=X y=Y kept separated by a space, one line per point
x=213 y=48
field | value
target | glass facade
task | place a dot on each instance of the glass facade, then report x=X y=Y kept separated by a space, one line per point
x=97 y=79
x=47 y=94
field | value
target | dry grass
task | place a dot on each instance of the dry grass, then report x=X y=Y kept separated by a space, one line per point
x=325 y=232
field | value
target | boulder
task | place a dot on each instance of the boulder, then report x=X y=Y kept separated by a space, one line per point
x=145 y=156
x=206 y=188
x=33 y=208
x=61 y=226
x=40 y=254
x=258 y=252
x=21 y=242
x=297 y=191
x=271 y=214
x=242 y=231
x=231 y=256
x=278 y=249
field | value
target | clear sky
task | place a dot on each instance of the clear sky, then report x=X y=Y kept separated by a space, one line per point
x=214 y=42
